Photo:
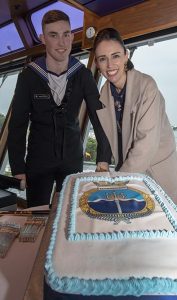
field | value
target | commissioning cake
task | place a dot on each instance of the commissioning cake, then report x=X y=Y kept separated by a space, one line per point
x=113 y=234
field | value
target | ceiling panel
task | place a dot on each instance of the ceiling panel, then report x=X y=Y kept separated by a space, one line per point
x=17 y=7
x=4 y=11
x=105 y=7
x=100 y=7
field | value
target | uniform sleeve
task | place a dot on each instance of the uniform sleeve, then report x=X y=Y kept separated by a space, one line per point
x=148 y=131
x=91 y=96
x=18 y=126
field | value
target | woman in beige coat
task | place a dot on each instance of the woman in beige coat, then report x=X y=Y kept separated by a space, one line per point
x=133 y=116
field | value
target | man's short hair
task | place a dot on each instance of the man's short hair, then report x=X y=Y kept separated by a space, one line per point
x=53 y=16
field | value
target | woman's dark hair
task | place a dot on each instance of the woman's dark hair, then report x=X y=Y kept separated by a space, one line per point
x=108 y=34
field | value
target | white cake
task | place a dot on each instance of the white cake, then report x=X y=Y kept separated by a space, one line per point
x=114 y=234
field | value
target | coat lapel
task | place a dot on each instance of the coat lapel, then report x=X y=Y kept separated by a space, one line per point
x=107 y=118
x=107 y=115
x=131 y=97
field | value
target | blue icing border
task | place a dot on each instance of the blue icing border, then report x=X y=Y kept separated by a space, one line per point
x=146 y=234
x=149 y=179
x=116 y=287
x=124 y=287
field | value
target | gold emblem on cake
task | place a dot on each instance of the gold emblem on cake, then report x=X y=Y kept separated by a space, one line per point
x=116 y=202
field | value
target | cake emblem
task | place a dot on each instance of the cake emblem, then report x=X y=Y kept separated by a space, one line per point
x=116 y=202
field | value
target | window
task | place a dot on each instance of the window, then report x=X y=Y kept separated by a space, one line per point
x=7 y=86
x=159 y=60
x=76 y=16
x=10 y=39
x=90 y=143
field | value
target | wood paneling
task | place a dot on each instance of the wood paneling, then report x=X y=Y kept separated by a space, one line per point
x=149 y=16
x=34 y=51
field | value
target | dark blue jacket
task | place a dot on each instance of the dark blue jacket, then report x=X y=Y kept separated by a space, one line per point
x=54 y=132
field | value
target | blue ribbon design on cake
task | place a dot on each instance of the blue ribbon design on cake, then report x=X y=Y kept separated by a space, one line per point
x=124 y=201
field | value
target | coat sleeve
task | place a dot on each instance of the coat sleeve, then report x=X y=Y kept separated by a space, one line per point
x=18 y=125
x=146 y=139
x=91 y=97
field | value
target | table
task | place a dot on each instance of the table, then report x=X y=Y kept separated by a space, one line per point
x=17 y=266
x=35 y=286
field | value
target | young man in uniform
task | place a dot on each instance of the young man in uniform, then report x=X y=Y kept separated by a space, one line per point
x=48 y=97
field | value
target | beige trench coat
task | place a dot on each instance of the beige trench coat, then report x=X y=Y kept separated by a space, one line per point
x=148 y=141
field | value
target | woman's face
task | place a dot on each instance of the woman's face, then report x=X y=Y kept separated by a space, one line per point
x=111 y=60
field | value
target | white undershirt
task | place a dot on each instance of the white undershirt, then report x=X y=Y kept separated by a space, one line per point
x=57 y=85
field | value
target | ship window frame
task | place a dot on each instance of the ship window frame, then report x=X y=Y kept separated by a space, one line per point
x=31 y=26
x=3 y=27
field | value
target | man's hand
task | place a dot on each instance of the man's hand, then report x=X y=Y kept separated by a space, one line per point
x=22 y=177
x=102 y=167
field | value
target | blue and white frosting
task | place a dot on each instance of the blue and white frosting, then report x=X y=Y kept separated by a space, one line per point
x=115 y=287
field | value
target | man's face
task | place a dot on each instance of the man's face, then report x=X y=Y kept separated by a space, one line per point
x=57 y=38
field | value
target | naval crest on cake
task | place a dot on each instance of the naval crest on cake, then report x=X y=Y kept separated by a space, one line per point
x=116 y=201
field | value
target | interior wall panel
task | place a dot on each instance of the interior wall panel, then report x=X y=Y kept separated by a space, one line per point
x=149 y=16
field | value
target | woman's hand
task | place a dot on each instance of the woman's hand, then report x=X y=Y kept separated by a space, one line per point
x=102 y=167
